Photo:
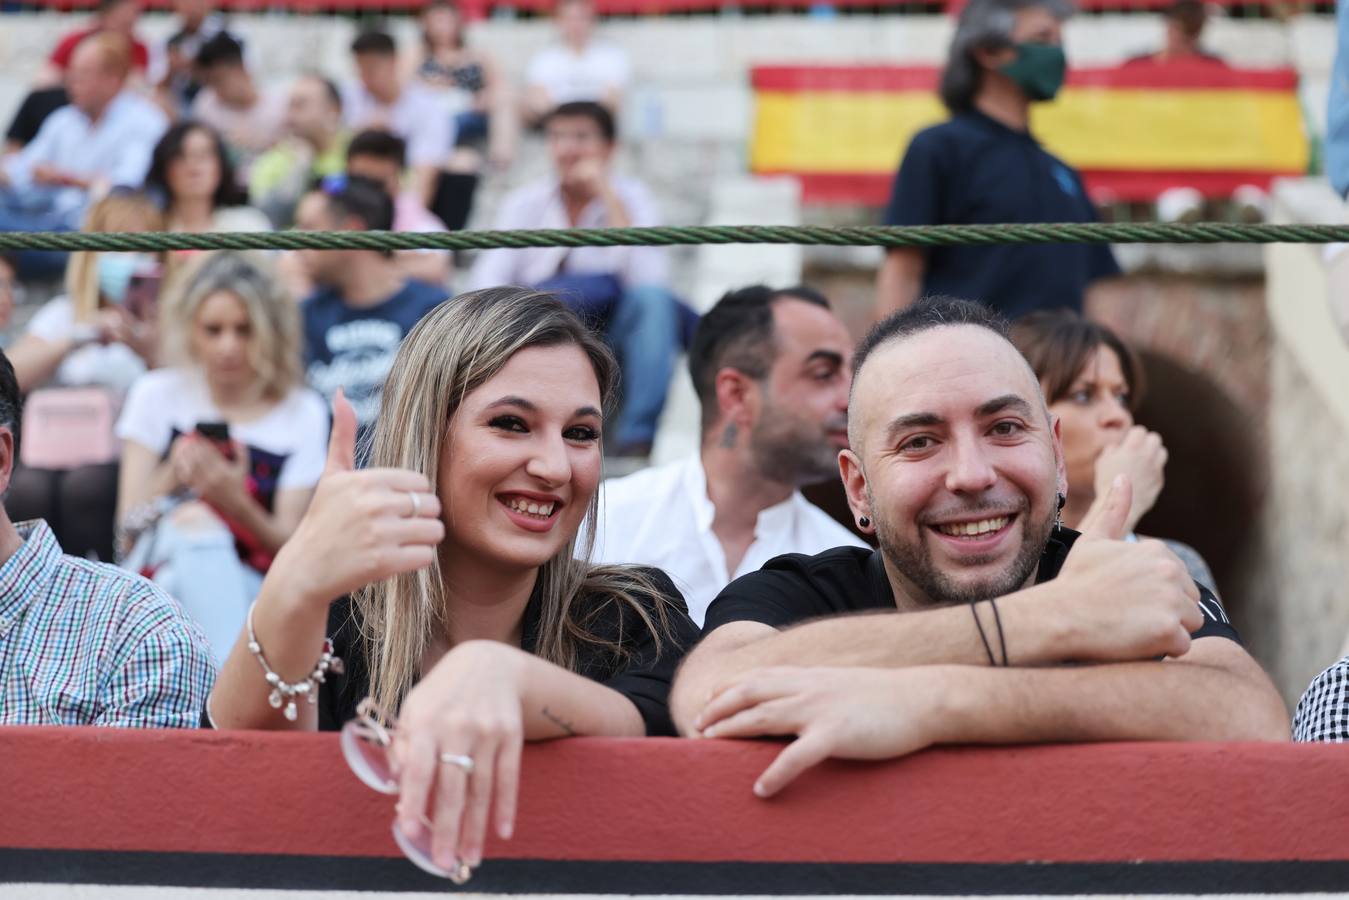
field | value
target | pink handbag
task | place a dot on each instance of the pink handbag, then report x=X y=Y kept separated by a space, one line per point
x=64 y=428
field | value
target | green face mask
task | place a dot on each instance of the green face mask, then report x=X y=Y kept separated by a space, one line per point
x=1038 y=69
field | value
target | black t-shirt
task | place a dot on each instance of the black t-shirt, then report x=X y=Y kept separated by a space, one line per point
x=643 y=677
x=793 y=588
x=975 y=170
x=34 y=110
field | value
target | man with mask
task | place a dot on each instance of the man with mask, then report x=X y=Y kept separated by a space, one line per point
x=984 y=166
x=980 y=619
x=771 y=369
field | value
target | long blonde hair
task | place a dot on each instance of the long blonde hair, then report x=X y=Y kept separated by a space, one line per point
x=120 y=210
x=454 y=350
x=274 y=347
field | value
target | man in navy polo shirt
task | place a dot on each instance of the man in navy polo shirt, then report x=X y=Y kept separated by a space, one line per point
x=983 y=166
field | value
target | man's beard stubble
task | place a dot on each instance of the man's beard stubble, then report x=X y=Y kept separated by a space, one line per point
x=793 y=451
x=914 y=562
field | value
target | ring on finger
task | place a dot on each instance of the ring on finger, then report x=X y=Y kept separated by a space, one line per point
x=416 y=505
x=460 y=760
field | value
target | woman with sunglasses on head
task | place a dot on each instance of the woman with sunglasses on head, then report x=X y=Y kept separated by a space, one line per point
x=468 y=615
x=1093 y=382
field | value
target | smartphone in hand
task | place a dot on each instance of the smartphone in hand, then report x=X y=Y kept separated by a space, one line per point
x=218 y=433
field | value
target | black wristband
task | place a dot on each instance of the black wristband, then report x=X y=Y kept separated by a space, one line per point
x=1002 y=640
x=988 y=648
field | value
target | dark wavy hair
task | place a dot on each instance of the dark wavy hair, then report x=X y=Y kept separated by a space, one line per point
x=170 y=148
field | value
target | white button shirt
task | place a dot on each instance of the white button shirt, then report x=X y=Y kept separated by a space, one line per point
x=662 y=517
x=539 y=205
x=116 y=147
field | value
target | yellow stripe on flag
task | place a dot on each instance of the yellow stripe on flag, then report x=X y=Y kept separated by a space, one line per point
x=1192 y=130
x=1092 y=128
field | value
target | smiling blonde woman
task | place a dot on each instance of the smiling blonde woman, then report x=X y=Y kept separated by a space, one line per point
x=464 y=609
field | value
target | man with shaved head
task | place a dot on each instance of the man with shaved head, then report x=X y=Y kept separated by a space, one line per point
x=981 y=619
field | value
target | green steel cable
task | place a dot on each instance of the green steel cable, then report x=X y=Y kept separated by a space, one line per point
x=846 y=236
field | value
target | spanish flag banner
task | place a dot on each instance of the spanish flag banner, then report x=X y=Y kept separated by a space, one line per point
x=1132 y=131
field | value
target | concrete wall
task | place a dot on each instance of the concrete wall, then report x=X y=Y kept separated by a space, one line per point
x=1298 y=567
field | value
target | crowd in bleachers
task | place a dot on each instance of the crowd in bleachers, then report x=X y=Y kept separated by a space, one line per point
x=338 y=494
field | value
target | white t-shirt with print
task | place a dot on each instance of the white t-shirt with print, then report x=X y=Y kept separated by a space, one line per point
x=177 y=399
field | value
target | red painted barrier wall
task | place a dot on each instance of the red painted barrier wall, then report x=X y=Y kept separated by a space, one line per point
x=254 y=795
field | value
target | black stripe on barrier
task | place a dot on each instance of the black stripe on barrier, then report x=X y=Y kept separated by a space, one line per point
x=532 y=876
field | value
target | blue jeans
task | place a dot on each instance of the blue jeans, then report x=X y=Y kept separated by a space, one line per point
x=642 y=325
x=31 y=210
x=193 y=558
x=644 y=331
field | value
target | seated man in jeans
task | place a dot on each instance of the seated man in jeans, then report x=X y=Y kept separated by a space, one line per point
x=624 y=287
x=103 y=139
x=84 y=643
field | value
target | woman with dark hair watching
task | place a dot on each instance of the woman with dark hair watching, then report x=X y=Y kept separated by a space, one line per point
x=466 y=609
x=1093 y=382
x=192 y=178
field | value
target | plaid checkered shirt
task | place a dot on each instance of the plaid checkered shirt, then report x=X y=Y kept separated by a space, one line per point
x=1323 y=712
x=85 y=643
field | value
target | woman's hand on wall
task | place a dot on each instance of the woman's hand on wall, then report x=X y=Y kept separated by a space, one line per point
x=467 y=708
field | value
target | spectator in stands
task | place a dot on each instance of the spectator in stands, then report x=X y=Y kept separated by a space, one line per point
x=381 y=99
x=117 y=17
x=32 y=112
x=10 y=289
x=174 y=71
x=471 y=85
x=102 y=139
x=381 y=157
x=314 y=147
x=220 y=450
x=579 y=66
x=984 y=165
x=250 y=119
x=771 y=369
x=956 y=465
x=457 y=560
x=1185 y=21
x=100 y=334
x=191 y=175
x=1323 y=712
x=1093 y=382
x=86 y=643
x=625 y=286
x=364 y=305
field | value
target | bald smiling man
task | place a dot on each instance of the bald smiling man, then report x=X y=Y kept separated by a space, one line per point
x=961 y=629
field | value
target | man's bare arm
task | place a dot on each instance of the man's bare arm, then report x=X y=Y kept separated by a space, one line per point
x=899 y=280
x=1216 y=693
x=1033 y=630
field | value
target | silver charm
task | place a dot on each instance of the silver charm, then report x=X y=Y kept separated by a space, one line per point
x=291 y=713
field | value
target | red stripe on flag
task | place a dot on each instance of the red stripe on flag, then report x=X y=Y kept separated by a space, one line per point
x=1132 y=76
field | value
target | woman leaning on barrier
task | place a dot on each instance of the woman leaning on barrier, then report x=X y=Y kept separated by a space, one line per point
x=1092 y=382
x=463 y=609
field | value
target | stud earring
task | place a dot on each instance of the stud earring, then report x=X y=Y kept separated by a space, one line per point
x=864 y=522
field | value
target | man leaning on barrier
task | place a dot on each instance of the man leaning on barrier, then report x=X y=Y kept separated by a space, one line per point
x=981 y=619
